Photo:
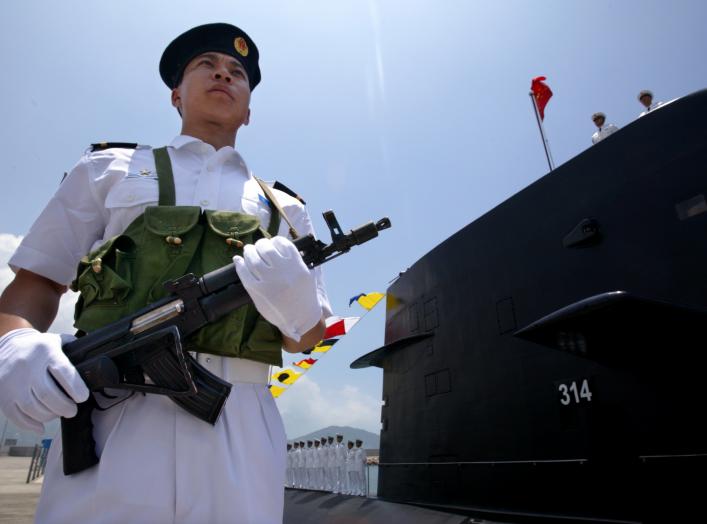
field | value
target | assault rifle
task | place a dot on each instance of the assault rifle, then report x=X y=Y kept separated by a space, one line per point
x=148 y=343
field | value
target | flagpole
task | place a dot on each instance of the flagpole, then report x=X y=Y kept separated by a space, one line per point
x=542 y=132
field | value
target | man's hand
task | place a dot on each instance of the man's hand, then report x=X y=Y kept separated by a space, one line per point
x=32 y=369
x=283 y=289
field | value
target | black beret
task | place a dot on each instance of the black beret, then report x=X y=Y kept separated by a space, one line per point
x=221 y=38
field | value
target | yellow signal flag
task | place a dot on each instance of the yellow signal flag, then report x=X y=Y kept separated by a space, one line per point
x=369 y=300
x=286 y=376
x=276 y=391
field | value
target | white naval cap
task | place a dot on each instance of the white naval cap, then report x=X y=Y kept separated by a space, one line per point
x=645 y=92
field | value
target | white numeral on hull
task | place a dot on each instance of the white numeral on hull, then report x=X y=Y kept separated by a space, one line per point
x=574 y=393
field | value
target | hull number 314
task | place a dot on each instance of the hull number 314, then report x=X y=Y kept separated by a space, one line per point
x=574 y=392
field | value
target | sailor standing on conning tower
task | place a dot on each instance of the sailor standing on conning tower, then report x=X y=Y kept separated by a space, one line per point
x=645 y=97
x=604 y=130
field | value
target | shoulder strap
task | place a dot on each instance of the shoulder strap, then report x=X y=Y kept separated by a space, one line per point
x=271 y=196
x=282 y=187
x=165 y=177
x=100 y=146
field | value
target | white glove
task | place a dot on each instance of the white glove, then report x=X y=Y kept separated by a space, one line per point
x=28 y=395
x=283 y=289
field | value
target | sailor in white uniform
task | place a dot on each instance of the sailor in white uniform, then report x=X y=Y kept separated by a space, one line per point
x=350 y=469
x=158 y=463
x=603 y=130
x=340 y=463
x=360 y=468
x=309 y=466
x=290 y=466
x=295 y=461
x=331 y=464
x=301 y=472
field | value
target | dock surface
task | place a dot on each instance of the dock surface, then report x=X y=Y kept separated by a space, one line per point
x=17 y=498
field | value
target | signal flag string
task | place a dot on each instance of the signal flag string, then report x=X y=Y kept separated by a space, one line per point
x=336 y=328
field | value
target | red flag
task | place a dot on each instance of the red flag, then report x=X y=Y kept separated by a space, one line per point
x=336 y=329
x=542 y=94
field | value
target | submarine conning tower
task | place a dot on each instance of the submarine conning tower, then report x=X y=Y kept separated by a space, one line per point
x=549 y=359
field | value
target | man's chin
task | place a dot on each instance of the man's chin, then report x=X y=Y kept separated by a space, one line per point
x=222 y=117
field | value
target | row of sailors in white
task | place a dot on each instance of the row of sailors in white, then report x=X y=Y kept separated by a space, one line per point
x=645 y=97
x=327 y=466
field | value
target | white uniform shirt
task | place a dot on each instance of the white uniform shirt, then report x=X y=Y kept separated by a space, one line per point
x=360 y=460
x=654 y=105
x=331 y=457
x=341 y=455
x=350 y=459
x=603 y=132
x=152 y=439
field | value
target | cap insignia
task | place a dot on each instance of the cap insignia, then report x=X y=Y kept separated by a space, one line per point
x=240 y=44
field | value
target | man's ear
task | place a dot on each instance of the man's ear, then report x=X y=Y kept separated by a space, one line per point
x=247 y=118
x=176 y=98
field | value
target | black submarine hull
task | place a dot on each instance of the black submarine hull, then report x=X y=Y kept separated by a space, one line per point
x=549 y=358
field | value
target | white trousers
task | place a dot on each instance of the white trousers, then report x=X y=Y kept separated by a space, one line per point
x=161 y=465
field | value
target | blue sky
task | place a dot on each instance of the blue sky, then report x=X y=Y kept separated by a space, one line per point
x=416 y=110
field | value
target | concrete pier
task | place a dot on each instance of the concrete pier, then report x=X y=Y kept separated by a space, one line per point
x=17 y=499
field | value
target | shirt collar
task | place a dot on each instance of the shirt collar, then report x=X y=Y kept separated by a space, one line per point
x=181 y=141
x=195 y=144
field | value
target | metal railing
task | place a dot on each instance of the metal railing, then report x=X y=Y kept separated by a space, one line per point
x=39 y=460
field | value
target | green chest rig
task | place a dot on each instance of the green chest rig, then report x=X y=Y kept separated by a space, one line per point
x=167 y=241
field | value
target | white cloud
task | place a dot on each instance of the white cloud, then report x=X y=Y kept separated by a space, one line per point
x=306 y=407
x=65 y=317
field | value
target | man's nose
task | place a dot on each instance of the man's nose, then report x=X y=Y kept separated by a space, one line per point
x=221 y=73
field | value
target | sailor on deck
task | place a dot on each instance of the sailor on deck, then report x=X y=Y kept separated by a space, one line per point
x=323 y=451
x=295 y=463
x=360 y=468
x=350 y=469
x=301 y=473
x=317 y=465
x=331 y=465
x=604 y=130
x=288 y=470
x=340 y=464
x=309 y=465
